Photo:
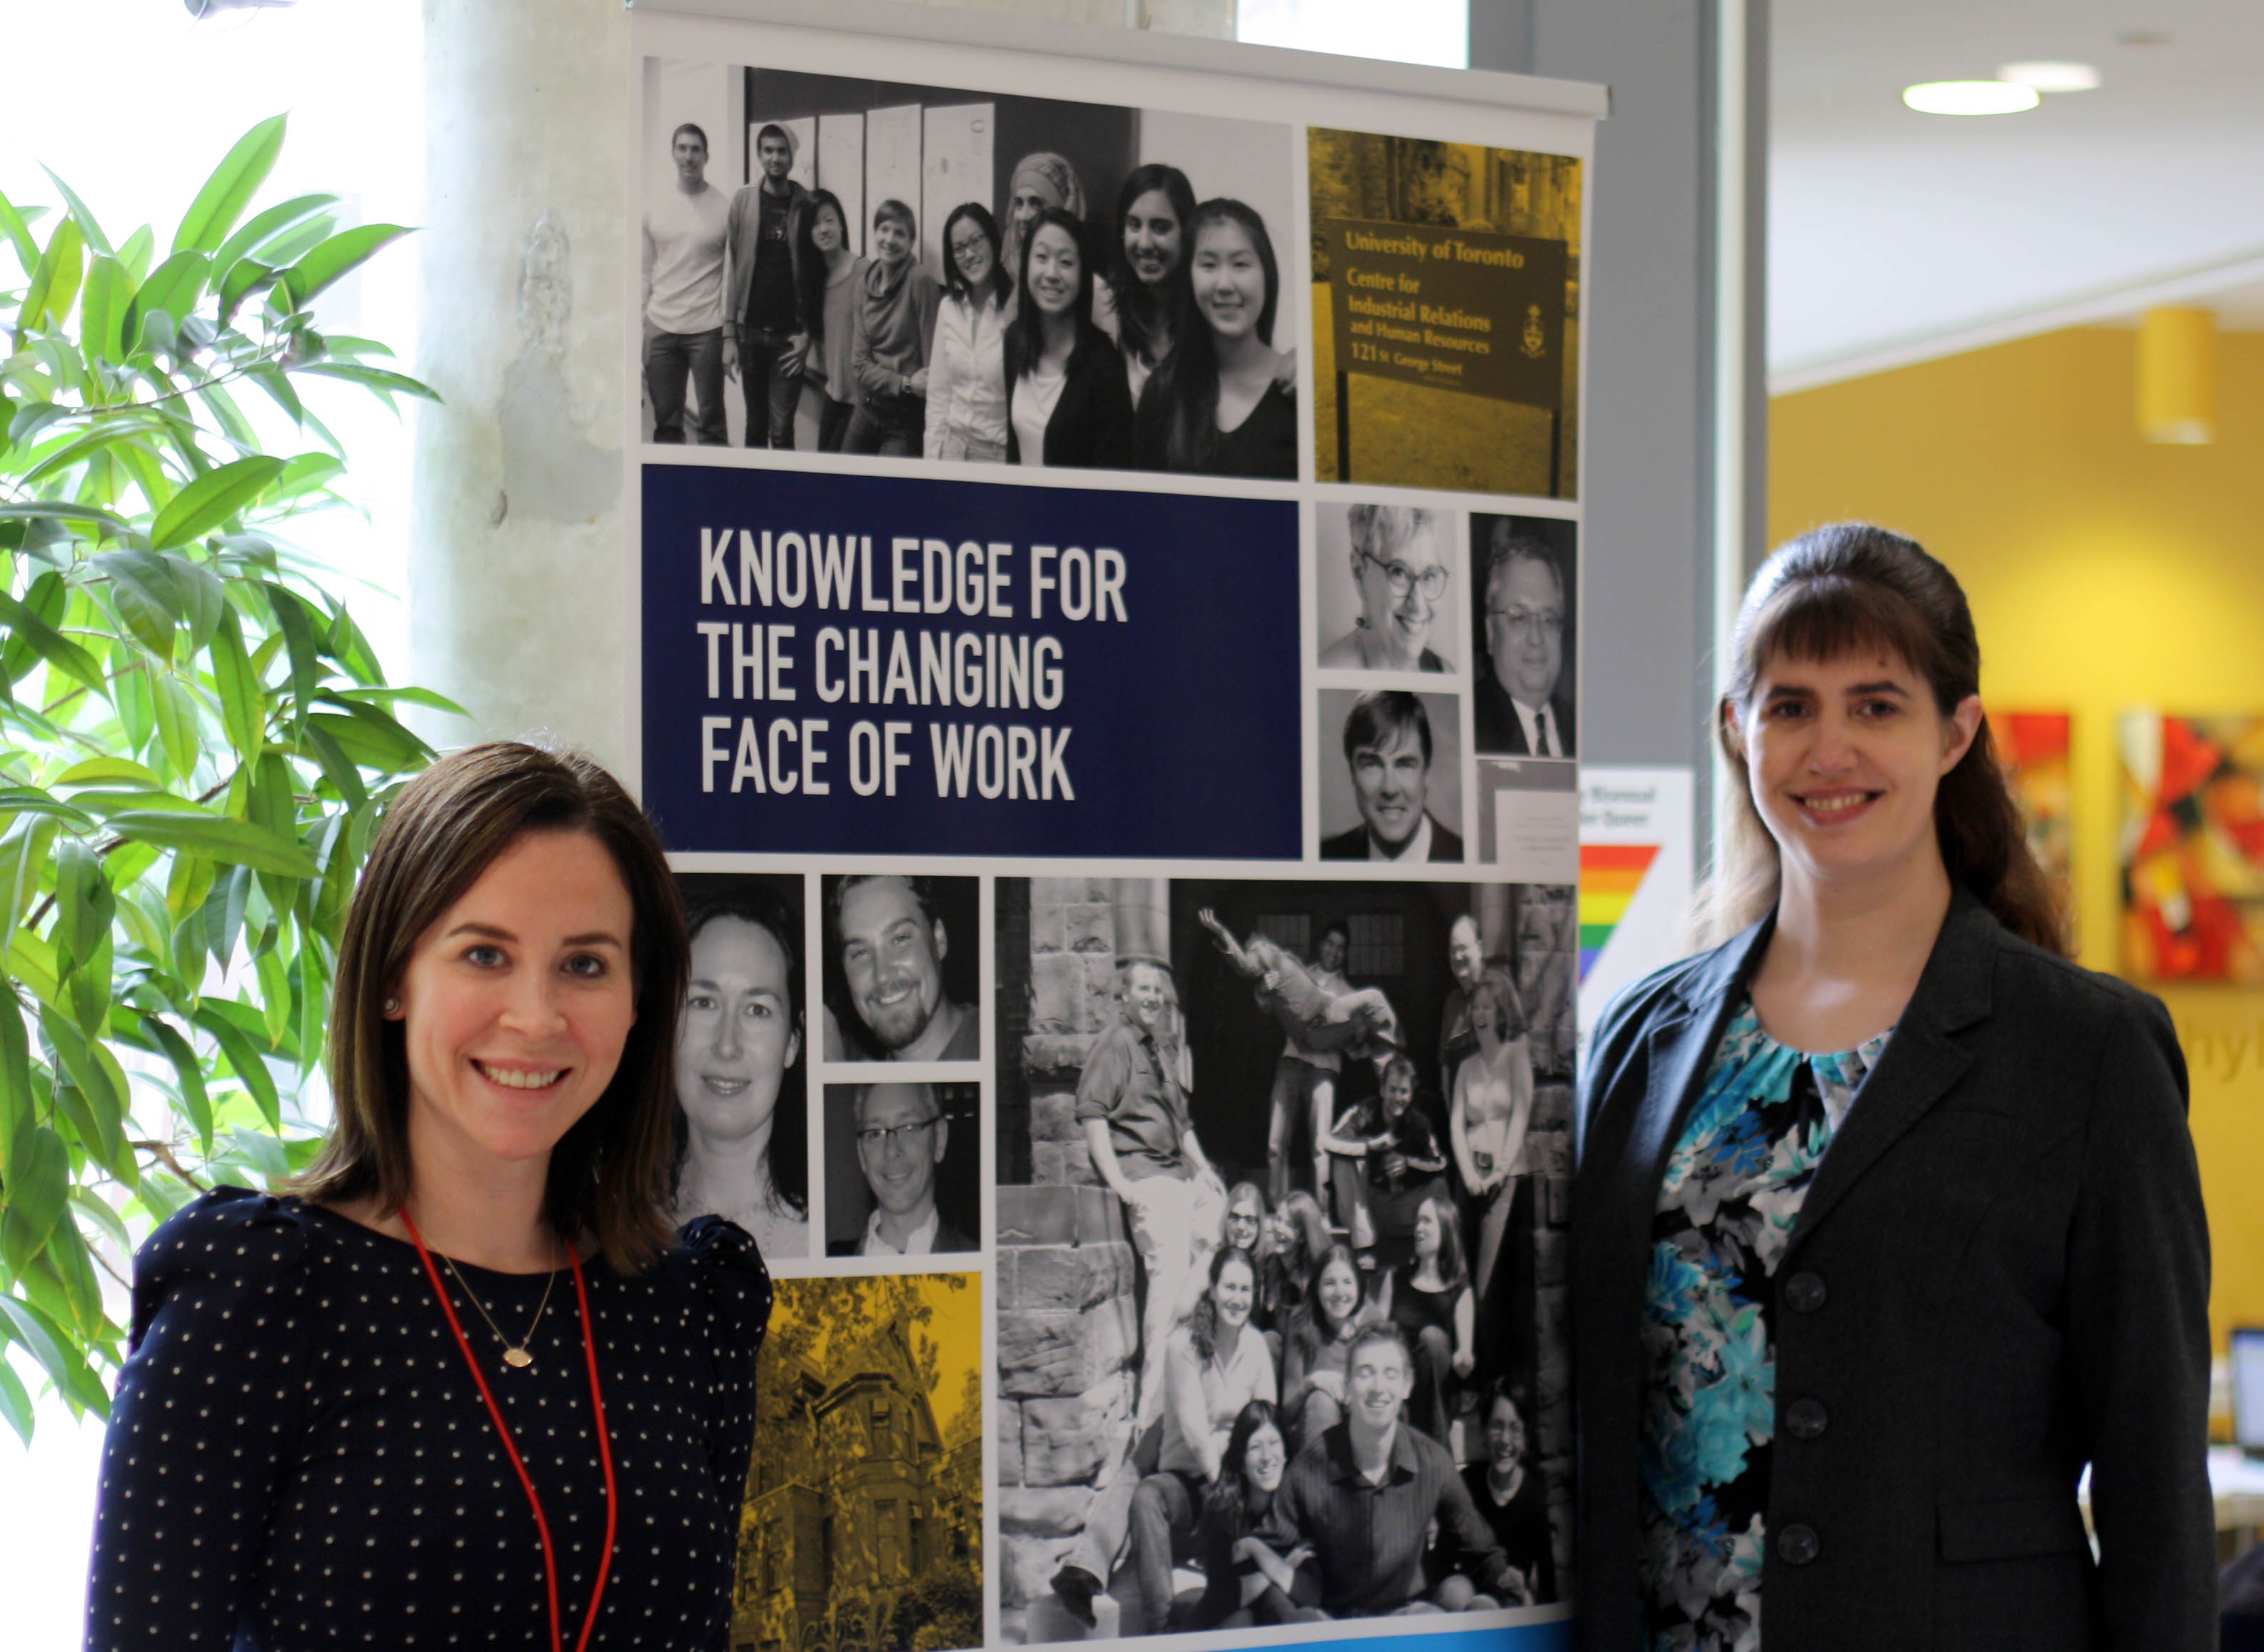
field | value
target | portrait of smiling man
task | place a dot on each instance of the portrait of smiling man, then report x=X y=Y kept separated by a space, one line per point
x=901 y=1137
x=1389 y=750
x=1523 y=693
x=890 y=942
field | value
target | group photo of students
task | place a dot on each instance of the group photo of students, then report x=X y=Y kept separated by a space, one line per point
x=847 y=265
x=1316 y=1104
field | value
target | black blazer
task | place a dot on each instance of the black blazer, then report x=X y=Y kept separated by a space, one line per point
x=1497 y=727
x=1091 y=421
x=1999 y=1274
x=1352 y=844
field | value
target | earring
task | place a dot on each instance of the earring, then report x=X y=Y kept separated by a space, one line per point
x=392 y=1006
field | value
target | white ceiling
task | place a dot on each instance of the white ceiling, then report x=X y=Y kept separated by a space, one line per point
x=1894 y=237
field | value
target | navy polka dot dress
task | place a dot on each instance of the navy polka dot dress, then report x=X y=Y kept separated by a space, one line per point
x=298 y=1456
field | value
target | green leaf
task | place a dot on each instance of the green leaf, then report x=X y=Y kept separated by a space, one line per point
x=178 y=730
x=84 y=1200
x=84 y=902
x=102 y=309
x=298 y=625
x=203 y=599
x=41 y=1336
x=383 y=695
x=278 y=385
x=19 y=1101
x=236 y=843
x=101 y=1127
x=15 y=1404
x=244 y=1059
x=341 y=253
x=172 y=289
x=24 y=850
x=337 y=767
x=308 y=473
x=134 y=252
x=275 y=1005
x=142 y=588
x=211 y=499
x=63 y=510
x=30 y=800
x=195 y=1100
x=96 y=770
x=386 y=384
x=39 y=1190
x=74 y=1270
x=50 y=644
x=244 y=277
x=77 y=208
x=242 y=703
x=265 y=226
x=19 y=234
x=229 y=190
x=55 y=283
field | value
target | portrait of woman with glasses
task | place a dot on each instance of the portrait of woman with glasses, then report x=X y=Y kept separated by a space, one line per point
x=1400 y=579
x=1524 y=578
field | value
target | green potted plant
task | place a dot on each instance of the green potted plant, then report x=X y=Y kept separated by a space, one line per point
x=196 y=741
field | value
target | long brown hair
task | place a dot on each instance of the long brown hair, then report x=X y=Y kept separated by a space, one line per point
x=1831 y=591
x=609 y=1175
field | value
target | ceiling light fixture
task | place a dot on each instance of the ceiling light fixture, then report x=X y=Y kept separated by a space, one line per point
x=1969 y=97
x=2051 y=76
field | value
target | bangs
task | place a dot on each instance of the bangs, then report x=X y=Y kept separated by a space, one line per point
x=1832 y=616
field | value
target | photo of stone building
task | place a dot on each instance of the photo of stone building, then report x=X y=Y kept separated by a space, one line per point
x=863 y=1529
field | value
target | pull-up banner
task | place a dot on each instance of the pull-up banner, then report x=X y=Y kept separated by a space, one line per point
x=1106 y=578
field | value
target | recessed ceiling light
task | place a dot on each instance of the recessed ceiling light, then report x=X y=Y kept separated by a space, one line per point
x=1969 y=97
x=2051 y=76
x=2141 y=39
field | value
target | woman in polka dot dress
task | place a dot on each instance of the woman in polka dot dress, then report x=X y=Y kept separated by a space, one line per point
x=465 y=1388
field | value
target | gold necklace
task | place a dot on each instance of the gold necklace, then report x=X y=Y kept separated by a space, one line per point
x=515 y=1356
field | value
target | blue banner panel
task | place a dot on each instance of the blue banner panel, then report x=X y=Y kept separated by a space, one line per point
x=900 y=665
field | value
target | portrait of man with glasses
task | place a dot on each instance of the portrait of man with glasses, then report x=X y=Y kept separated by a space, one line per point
x=1401 y=581
x=902 y=1138
x=1524 y=689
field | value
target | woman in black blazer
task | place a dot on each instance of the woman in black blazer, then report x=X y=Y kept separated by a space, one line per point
x=1850 y=1326
x=1067 y=403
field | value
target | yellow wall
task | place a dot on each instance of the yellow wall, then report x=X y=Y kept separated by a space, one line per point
x=2105 y=574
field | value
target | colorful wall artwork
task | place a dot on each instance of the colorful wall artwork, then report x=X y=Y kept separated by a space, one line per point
x=2193 y=848
x=2033 y=746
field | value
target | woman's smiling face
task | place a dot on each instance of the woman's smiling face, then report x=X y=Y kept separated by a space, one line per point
x=826 y=232
x=1055 y=270
x=1233 y=1294
x=1264 y=1458
x=971 y=253
x=1230 y=280
x=1339 y=1292
x=1153 y=238
x=1845 y=757
x=515 y=1004
x=738 y=1035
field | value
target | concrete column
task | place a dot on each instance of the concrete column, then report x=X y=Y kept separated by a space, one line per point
x=518 y=600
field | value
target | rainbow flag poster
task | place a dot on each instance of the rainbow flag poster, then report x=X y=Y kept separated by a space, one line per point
x=1637 y=833
x=1610 y=873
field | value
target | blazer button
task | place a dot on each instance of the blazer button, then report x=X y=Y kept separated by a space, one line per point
x=1798 y=1545
x=1805 y=1419
x=1804 y=1293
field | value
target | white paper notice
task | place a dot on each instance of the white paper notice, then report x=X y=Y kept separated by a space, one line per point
x=1537 y=835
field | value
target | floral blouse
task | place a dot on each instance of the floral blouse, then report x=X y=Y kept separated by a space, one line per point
x=1733 y=1190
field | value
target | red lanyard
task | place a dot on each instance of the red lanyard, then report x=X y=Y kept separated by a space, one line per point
x=605 y=1444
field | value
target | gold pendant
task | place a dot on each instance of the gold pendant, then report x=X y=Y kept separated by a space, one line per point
x=517 y=1359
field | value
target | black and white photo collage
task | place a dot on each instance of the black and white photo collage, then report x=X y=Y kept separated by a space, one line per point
x=1253 y=1172
x=1447 y=714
